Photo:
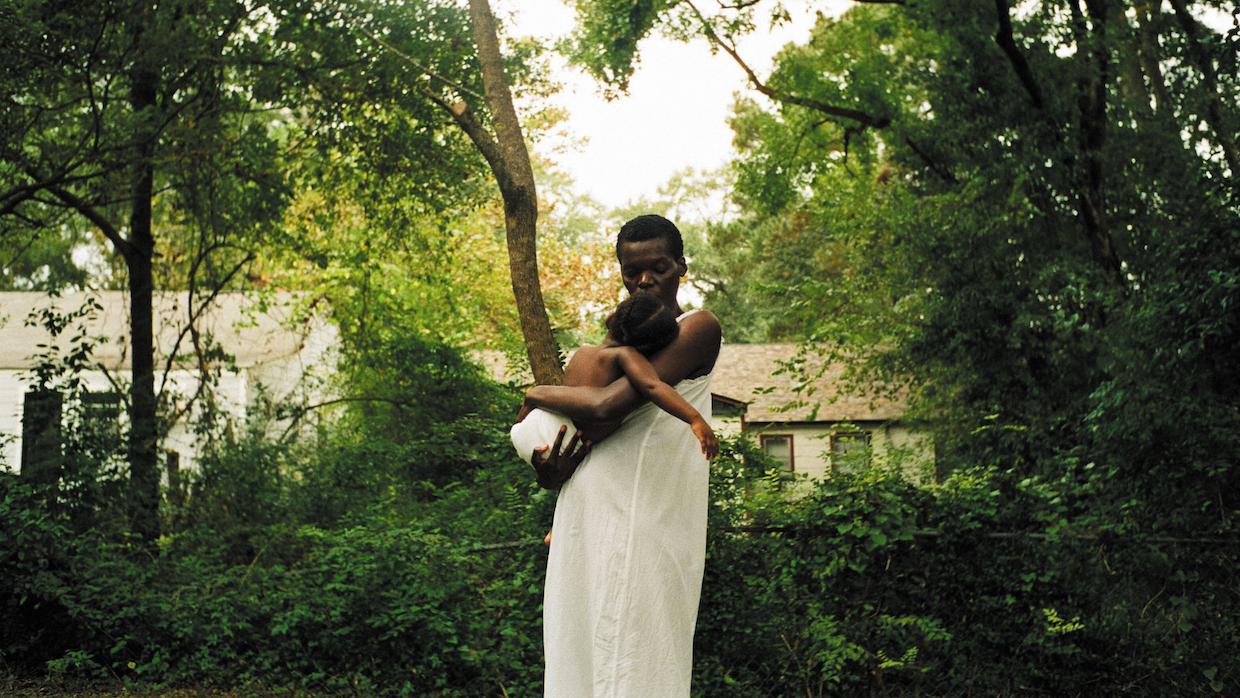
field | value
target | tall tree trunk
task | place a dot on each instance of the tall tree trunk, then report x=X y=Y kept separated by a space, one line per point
x=1150 y=56
x=1091 y=201
x=143 y=414
x=515 y=176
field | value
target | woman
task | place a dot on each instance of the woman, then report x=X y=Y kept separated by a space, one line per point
x=624 y=573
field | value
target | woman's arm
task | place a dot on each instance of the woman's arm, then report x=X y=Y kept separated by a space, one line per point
x=691 y=354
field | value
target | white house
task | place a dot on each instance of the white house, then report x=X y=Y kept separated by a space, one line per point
x=812 y=433
x=268 y=343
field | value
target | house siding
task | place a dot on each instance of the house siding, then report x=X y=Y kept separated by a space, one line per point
x=269 y=350
x=892 y=445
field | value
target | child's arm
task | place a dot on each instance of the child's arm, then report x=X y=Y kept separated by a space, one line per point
x=644 y=378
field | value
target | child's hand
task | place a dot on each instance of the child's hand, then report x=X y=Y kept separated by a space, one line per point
x=710 y=445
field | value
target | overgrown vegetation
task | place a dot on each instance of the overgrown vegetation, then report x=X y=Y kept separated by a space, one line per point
x=289 y=562
x=341 y=572
x=1024 y=215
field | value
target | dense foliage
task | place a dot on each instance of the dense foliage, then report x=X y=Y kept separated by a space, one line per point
x=1025 y=214
x=345 y=573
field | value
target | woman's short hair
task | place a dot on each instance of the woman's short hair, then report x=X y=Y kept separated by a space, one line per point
x=650 y=227
x=645 y=323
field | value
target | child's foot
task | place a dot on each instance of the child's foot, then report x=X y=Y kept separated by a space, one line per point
x=547 y=539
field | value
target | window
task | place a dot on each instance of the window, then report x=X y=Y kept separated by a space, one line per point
x=848 y=450
x=42 y=440
x=779 y=447
x=102 y=412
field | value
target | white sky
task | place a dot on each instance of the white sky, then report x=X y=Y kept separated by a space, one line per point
x=675 y=115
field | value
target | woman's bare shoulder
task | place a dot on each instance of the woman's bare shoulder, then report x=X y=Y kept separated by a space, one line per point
x=694 y=350
x=702 y=325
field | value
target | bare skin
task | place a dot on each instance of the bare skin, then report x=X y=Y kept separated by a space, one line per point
x=646 y=267
x=600 y=365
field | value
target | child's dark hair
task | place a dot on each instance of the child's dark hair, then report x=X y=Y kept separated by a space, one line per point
x=643 y=322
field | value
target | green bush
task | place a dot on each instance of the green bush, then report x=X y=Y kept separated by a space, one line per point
x=862 y=584
x=868 y=586
x=392 y=609
x=38 y=553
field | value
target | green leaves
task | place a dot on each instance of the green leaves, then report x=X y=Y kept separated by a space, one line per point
x=951 y=246
x=608 y=34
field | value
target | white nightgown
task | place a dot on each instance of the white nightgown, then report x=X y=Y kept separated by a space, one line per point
x=624 y=573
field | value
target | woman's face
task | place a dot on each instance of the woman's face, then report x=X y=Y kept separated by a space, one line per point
x=647 y=267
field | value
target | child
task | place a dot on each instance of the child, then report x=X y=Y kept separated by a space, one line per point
x=641 y=326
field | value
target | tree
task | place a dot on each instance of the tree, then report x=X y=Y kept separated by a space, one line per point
x=133 y=119
x=510 y=162
x=1008 y=201
x=476 y=94
x=104 y=103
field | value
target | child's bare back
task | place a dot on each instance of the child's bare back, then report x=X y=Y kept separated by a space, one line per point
x=595 y=367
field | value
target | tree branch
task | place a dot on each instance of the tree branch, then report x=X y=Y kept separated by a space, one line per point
x=17 y=197
x=481 y=137
x=866 y=120
x=417 y=64
x=801 y=138
x=1209 y=82
x=861 y=117
x=17 y=255
x=934 y=167
x=195 y=314
x=1007 y=42
x=14 y=197
x=105 y=226
x=296 y=419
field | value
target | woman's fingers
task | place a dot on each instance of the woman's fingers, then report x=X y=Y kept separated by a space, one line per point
x=559 y=460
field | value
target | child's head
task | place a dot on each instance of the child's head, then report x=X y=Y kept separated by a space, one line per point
x=645 y=323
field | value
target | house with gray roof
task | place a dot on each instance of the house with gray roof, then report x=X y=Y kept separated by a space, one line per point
x=818 y=427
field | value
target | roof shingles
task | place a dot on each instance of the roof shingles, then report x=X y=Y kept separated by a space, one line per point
x=746 y=372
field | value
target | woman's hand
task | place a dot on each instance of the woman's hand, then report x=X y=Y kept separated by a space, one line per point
x=554 y=467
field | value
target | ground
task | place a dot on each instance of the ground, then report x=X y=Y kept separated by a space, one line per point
x=35 y=687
